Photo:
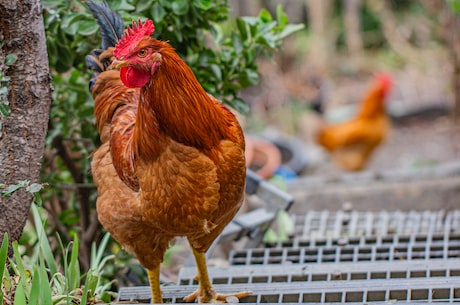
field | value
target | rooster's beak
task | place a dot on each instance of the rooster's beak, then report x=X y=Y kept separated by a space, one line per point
x=117 y=64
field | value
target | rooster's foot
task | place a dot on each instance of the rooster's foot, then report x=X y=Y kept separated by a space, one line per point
x=212 y=297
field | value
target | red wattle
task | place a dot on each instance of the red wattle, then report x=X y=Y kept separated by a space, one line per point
x=134 y=78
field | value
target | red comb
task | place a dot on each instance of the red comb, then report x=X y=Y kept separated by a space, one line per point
x=384 y=80
x=132 y=36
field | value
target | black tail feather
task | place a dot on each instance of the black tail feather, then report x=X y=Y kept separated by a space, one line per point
x=93 y=62
x=110 y=22
x=111 y=27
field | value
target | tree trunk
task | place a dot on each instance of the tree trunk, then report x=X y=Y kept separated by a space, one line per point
x=353 y=26
x=22 y=136
x=451 y=26
x=322 y=38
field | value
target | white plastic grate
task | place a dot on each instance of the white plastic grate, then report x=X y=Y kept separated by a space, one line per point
x=415 y=247
x=327 y=224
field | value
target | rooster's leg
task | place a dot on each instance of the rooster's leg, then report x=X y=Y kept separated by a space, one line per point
x=154 y=279
x=205 y=292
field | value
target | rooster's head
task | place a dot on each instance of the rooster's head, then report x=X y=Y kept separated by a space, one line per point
x=138 y=55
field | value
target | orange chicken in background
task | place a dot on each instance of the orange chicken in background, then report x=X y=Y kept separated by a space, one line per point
x=351 y=143
x=172 y=159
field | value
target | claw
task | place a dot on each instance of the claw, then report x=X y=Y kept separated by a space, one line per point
x=216 y=297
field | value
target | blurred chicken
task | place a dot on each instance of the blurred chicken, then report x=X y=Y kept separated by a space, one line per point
x=352 y=143
x=172 y=159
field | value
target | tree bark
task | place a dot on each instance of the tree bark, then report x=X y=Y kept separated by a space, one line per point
x=322 y=38
x=23 y=132
x=451 y=26
x=352 y=22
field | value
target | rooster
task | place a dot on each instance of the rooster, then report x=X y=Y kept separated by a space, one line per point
x=171 y=161
x=352 y=143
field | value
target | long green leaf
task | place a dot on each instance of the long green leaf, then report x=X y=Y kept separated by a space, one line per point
x=96 y=254
x=43 y=240
x=45 y=295
x=35 y=288
x=3 y=253
x=73 y=270
x=18 y=266
x=19 y=295
x=3 y=256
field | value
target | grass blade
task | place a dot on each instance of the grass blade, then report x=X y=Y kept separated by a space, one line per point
x=19 y=295
x=43 y=240
x=73 y=272
x=35 y=288
x=96 y=256
x=45 y=295
x=3 y=253
x=3 y=256
x=19 y=267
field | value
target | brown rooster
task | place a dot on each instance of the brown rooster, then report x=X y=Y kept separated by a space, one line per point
x=172 y=159
x=351 y=143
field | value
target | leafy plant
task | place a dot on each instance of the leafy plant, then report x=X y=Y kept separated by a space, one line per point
x=454 y=6
x=41 y=279
x=33 y=188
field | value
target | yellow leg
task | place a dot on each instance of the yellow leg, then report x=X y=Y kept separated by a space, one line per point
x=205 y=293
x=154 y=279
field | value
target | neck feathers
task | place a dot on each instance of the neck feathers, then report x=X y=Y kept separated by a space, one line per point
x=174 y=105
x=374 y=102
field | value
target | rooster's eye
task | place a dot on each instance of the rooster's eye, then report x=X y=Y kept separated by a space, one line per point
x=142 y=53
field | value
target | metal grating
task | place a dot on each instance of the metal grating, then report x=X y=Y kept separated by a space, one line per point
x=325 y=272
x=439 y=289
x=437 y=238
x=327 y=224
x=342 y=257
x=415 y=247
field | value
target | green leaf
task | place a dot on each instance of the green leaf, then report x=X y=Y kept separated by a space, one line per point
x=73 y=274
x=35 y=287
x=270 y=236
x=203 y=4
x=158 y=12
x=285 y=224
x=10 y=59
x=5 y=109
x=243 y=28
x=45 y=293
x=69 y=24
x=20 y=296
x=43 y=240
x=3 y=255
x=180 y=7
x=281 y=16
x=239 y=105
x=216 y=71
x=14 y=187
x=34 y=188
x=237 y=43
x=165 y=3
x=87 y=27
x=143 y=5
x=38 y=199
x=65 y=59
x=291 y=29
x=454 y=6
x=124 y=6
x=265 y=16
x=248 y=77
x=19 y=266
